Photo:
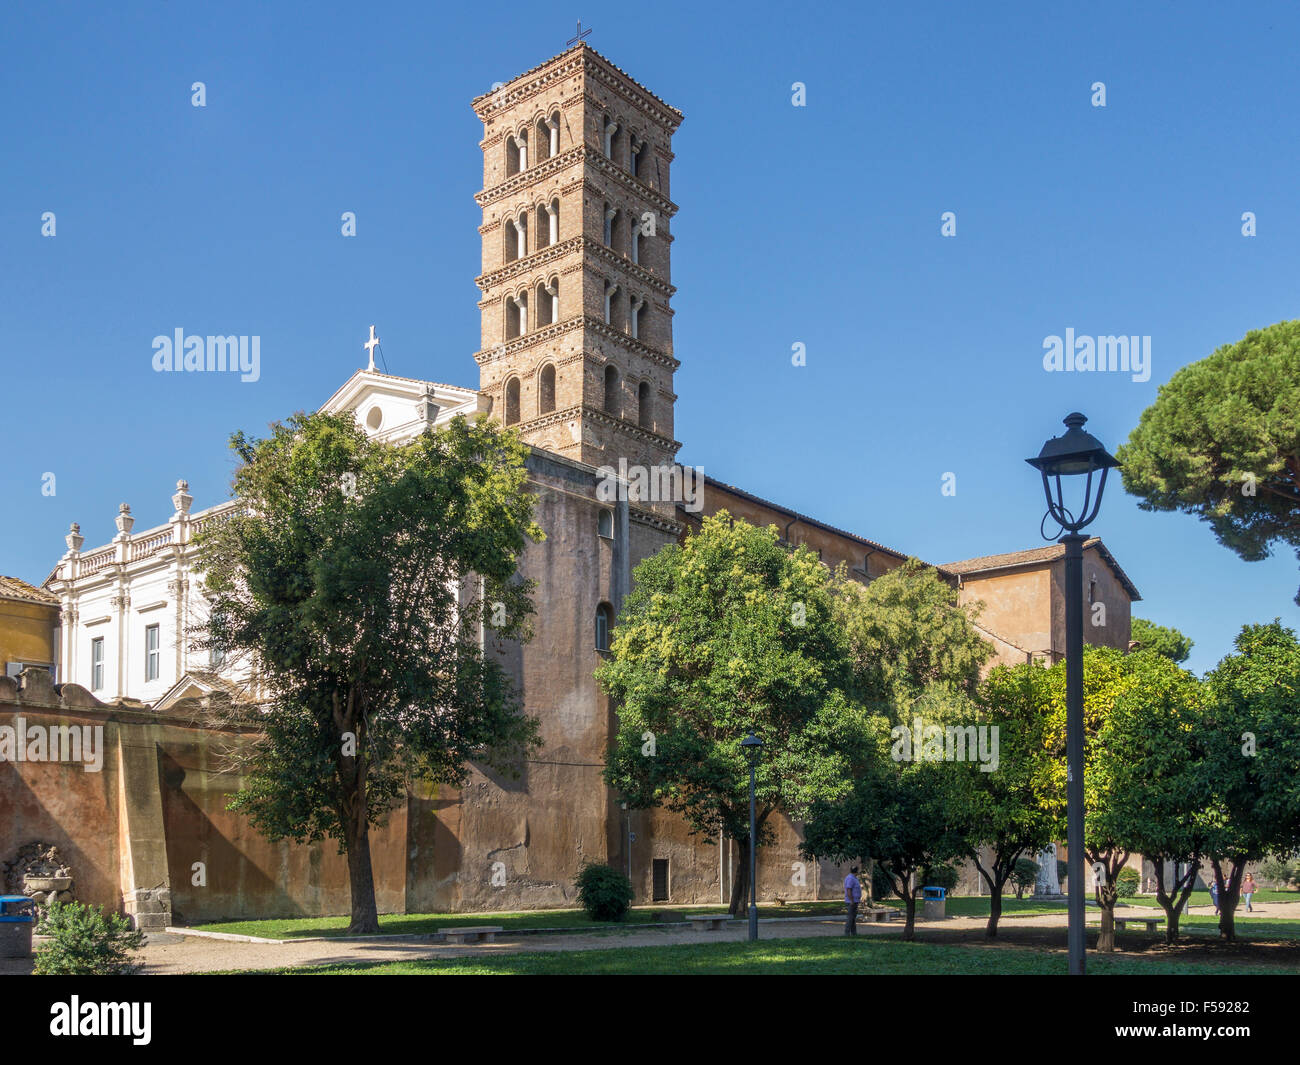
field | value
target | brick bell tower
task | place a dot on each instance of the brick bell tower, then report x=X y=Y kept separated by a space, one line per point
x=577 y=336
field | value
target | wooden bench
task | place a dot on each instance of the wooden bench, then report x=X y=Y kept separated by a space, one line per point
x=484 y=934
x=709 y=922
x=1152 y=923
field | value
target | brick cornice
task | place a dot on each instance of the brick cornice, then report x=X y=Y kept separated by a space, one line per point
x=586 y=245
x=587 y=156
x=601 y=417
x=558 y=329
x=654 y=521
x=585 y=58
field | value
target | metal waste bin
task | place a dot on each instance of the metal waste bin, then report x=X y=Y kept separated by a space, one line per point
x=16 y=924
x=935 y=903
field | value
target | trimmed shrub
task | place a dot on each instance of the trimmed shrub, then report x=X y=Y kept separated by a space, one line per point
x=604 y=892
x=1062 y=870
x=1127 y=882
x=86 y=942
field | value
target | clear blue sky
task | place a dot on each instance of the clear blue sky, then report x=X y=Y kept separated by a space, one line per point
x=818 y=225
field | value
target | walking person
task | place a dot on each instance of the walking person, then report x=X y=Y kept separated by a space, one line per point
x=1214 y=894
x=1248 y=888
x=852 y=898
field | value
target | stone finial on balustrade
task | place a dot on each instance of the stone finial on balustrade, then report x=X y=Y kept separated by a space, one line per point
x=125 y=522
x=74 y=539
x=182 y=500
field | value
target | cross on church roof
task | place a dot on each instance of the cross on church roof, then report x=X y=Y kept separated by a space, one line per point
x=370 y=346
x=581 y=34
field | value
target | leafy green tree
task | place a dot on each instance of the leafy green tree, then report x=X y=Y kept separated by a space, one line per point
x=1252 y=768
x=355 y=578
x=899 y=815
x=1019 y=808
x=1222 y=442
x=909 y=638
x=1140 y=712
x=1164 y=641
x=916 y=654
x=1152 y=795
x=726 y=633
x=1024 y=875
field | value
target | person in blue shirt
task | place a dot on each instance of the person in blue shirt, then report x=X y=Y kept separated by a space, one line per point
x=852 y=899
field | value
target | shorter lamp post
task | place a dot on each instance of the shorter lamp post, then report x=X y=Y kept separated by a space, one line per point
x=753 y=746
x=1074 y=454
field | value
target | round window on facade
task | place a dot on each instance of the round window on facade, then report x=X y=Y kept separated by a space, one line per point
x=374 y=419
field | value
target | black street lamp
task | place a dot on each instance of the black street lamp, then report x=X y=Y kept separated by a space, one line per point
x=1075 y=454
x=753 y=746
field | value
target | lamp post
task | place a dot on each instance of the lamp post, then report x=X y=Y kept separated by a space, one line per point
x=753 y=746
x=1074 y=454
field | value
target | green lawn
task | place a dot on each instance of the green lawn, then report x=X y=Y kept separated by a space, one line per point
x=423 y=923
x=1202 y=898
x=822 y=956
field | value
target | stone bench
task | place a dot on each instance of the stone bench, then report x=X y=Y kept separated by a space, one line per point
x=1152 y=923
x=709 y=922
x=484 y=934
x=884 y=914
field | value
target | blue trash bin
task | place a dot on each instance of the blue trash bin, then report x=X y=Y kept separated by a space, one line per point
x=934 y=903
x=17 y=920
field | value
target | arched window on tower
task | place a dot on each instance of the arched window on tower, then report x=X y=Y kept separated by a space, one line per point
x=640 y=153
x=545 y=303
x=636 y=242
x=523 y=149
x=516 y=315
x=546 y=390
x=604 y=624
x=610 y=289
x=548 y=302
x=644 y=415
x=512 y=156
x=512 y=401
x=553 y=132
x=516 y=236
x=612 y=404
x=542 y=138
x=553 y=220
x=543 y=229
x=636 y=317
x=608 y=131
x=605 y=524
x=611 y=213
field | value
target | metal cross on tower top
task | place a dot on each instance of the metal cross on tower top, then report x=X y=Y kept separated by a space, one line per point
x=370 y=346
x=581 y=33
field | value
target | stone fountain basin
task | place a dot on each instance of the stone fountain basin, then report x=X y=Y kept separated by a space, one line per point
x=47 y=883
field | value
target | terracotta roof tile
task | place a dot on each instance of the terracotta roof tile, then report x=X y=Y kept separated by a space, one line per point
x=16 y=588
x=1049 y=553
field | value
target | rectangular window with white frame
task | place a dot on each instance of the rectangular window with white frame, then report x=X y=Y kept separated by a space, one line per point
x=97 y=664
x=152 y=655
